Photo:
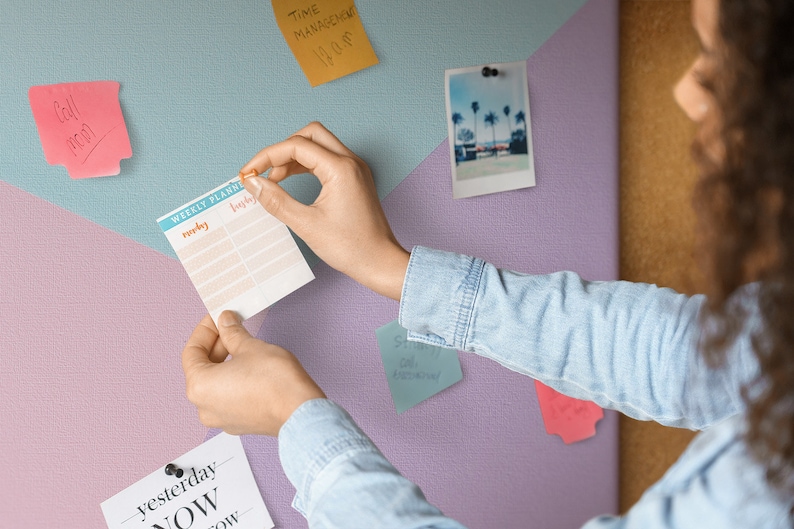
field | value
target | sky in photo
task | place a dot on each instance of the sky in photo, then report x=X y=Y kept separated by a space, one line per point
x=493 y=94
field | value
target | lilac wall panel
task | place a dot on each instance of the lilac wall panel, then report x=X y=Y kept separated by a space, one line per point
x=91 y=390
x=479 y=449
x=92 y=395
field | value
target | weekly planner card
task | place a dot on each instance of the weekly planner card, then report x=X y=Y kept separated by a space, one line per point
x=238 y=256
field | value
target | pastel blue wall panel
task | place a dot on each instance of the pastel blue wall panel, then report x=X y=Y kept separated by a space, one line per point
x=206 y=84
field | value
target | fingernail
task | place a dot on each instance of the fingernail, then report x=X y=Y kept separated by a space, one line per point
x=229 y=319
x=242 y=176
x=253 y=185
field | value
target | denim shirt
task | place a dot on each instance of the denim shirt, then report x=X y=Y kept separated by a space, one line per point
x=626 y=346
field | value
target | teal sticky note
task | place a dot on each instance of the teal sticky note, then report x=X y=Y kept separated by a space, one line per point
x=415 y=371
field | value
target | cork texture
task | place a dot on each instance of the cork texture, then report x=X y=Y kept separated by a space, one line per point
x=657 y=44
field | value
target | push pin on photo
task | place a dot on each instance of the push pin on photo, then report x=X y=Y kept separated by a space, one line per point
x=173 y=470
x=247 y=175
x=487 y=71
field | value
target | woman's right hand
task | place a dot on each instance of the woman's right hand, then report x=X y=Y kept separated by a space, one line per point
x=345 y=226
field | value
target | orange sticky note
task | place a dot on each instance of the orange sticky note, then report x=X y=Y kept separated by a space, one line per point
x=326 y=37
x=572 y=419
x=81 y=127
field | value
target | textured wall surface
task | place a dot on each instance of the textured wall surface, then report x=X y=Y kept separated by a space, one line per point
x=205 y=86
x=500 y=469
x=657 y=44
x=96 y=310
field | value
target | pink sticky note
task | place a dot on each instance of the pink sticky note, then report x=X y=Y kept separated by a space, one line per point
x=571 y=419
x=81 y=126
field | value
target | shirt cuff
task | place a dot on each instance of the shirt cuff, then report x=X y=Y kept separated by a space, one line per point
x=438 y=296
x=316 y=434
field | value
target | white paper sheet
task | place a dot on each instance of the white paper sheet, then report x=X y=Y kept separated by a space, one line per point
x=217 y=490
x=238 y=256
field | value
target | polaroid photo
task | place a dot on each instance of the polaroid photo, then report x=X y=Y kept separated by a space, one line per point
x=238 y=256
x=490 y=136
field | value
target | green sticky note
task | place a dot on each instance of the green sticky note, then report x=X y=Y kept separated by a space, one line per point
x=415 y=371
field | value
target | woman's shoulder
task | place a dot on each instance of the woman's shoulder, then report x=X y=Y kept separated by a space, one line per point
x=717 y=480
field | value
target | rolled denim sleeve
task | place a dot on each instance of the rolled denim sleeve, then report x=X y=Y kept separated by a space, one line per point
x=341 y=478
x=627 y=346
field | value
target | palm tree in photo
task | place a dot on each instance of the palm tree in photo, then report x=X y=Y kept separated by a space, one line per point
x=521 y=118
x=475 y=106
x=506 y=110
x=465 y=136
x=456 y=120
x=492 y=119
x=518 y=138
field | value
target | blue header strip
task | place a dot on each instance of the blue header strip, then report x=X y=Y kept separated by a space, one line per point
x=213 y=198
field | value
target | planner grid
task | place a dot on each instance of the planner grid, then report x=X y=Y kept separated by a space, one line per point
x=238 y=256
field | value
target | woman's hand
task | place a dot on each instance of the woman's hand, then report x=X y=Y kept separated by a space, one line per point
x=345 y=226
x=255 y=391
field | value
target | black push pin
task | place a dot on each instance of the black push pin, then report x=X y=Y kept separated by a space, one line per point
x=487 y=71
x=173 y=470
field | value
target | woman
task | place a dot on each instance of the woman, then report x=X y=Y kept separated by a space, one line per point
x=723 y=364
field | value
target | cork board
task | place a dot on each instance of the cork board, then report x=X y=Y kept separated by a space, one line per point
x=96 y=309
x=657 y=44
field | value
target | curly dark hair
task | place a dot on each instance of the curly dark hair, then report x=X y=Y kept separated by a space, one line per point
x=745 y=199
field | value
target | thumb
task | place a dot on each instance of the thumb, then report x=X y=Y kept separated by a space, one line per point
x=232 y=333
x=197 y=351
x=275 y=200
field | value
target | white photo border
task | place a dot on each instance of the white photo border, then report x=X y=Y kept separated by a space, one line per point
x=484 y=185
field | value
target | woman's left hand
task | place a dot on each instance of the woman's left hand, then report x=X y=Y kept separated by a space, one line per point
x=255 y=391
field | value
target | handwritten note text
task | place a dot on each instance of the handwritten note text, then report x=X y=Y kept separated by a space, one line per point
x=326 y=37
x=81 y=127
